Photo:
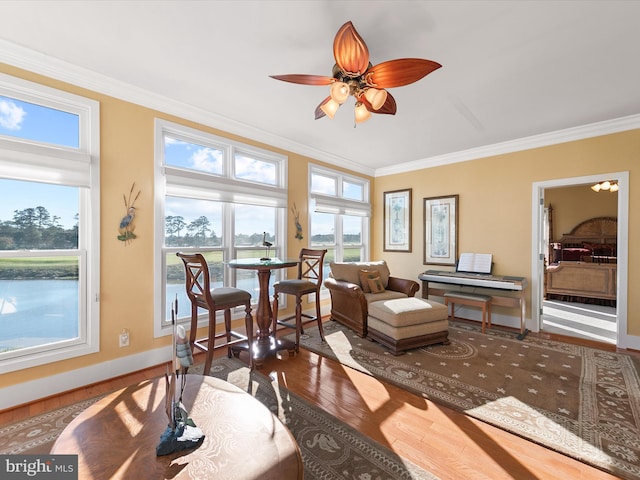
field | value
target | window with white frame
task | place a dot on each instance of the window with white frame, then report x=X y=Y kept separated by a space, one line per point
x=217 y=197
x=49 y=224
x=340 y=211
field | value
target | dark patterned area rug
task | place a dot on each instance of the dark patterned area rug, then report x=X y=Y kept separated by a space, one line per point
x=580 y=401
x=330 y=448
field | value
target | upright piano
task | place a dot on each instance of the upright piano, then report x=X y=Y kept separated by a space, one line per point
x=482 y=280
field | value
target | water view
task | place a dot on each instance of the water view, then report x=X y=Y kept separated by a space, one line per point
x=37 y=312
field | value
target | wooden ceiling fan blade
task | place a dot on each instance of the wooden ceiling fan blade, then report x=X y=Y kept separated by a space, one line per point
x=401 y=72
x=350 y=51
x=305 y=79
x=319 y=113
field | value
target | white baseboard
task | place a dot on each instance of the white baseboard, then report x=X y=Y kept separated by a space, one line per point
x=26 y=392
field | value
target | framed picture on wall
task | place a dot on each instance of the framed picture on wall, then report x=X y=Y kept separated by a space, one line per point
x=397 y=221
x=441 y=230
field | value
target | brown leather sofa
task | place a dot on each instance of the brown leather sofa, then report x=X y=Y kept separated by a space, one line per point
x=350 y=294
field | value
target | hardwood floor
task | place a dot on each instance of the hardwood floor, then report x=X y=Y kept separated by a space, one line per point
x=440 y=440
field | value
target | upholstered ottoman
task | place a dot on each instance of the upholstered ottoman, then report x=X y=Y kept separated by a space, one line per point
x=404 y=323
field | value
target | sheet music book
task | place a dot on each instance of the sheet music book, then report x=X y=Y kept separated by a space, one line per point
x=475 y=262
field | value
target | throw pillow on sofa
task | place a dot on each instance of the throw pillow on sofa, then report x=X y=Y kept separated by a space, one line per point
x=365 y=276
x=349 y=271
x=375 y=285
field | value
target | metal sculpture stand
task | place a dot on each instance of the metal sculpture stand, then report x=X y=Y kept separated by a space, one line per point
x=181 y=432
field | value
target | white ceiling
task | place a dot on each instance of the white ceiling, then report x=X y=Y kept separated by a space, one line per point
x=511 y=69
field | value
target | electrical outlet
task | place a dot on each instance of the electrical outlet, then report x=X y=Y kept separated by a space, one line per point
x=124 y=338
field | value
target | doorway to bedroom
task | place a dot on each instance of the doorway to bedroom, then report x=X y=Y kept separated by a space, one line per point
x=580 y=261
x=570 y=314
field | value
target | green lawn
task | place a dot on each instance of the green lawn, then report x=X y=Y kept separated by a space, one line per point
x=67 y=267
x=32 y=268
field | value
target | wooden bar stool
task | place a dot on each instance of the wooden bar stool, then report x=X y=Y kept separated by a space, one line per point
x=308 y=282
x=471 y=300
x=202 y=295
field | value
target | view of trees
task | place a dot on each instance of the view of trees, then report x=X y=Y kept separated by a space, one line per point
x=36 y=229
x=198 y=233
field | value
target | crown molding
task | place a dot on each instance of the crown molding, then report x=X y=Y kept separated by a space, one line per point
x=607 y=127
x=36 y=62
x=42 y=64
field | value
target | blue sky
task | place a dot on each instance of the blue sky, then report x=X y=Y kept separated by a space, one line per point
x=33 y=122
x=58 y=200
x=19 y=119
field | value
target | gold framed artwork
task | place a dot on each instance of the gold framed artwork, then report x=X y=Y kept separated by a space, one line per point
x=441 y=230
x=397 y=221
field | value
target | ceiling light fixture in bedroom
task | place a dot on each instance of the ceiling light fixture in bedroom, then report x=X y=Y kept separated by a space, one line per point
x=607 y=185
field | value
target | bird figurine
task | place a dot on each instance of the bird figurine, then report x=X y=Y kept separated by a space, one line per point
x=127 y=225
x=296 y=216
x=128 y=218
x=267 y=245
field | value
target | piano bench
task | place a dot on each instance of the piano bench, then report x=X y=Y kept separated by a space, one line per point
x=471 y=300
x=404 y=323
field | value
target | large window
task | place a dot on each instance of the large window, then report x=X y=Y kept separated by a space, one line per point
x=340 y=211
x=49 y=224
x=217 y=197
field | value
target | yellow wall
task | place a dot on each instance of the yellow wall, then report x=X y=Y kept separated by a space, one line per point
x=127 y=272
x=495 y=203
x=572 y=205
x=494 y=214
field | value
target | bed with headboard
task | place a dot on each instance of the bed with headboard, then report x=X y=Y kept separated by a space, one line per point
x=583 y=263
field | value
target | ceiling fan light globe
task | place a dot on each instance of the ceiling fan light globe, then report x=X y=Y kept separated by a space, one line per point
x=339 y=92
x=614 y=187
x=361 y=113
x=330 y=108
x=596 y=187
x=606 y=185
x=376 y=97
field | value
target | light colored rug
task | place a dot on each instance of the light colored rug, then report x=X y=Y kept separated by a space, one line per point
x=580 y=401
x=330 y=448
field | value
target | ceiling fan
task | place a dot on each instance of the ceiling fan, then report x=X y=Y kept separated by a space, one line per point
x=354 y=75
